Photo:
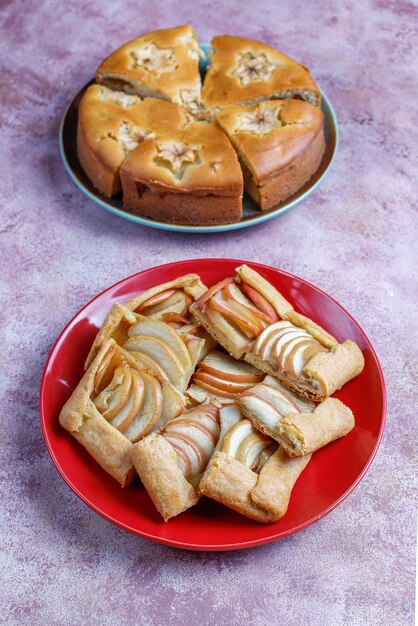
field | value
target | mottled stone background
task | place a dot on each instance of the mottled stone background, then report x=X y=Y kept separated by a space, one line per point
x=355 y=238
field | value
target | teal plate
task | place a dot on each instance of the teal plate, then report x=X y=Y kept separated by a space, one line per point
x=251 y=214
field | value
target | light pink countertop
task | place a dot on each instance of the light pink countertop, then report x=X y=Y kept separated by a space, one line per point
x=355 y=238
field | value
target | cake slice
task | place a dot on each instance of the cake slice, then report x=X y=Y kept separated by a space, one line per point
x=111 y=124
x=187 y=177
x=162 y=64
x=280 y=144
x=251 y=319
x=243 y=71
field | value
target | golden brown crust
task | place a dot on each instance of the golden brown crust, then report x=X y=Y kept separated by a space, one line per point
x=123 y=314
x=271 y=136
x=80 y=417
x=323 y=373
x=264 y=497
x=163 y=63
x=111 y=124
x=166 y=177
x=156 y=463
x=243 y=71
x=303 y=433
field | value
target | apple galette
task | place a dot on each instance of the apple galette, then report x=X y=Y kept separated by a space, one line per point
x=115 y=404
x=170 y=303
x=150 y=132
x=170 y=464
x=161 y=398
x=297 y=424
x=252 y=320
x=249 y=472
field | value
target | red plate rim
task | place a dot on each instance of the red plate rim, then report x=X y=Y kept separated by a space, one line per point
x=220 y=546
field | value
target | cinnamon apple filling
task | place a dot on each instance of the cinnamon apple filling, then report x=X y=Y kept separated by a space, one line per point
x=248 y=446
x=287 y=348
x=194 y=436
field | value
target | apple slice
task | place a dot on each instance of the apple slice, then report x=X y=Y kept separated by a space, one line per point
x=133 y=403
x=113 y=398
x=223 y=366
x=164 y=355
x=237 y=312
x=261 y=410
x=265 y=454
x=150 y=411
x=219 y=323
x=150 y=364
x=198 y=430
x=218 y=383
x=157 y=299
x=166 y=334
x=282 y=353
x=260 y=302
x=201 y=303
x=250 y=449
x=233 y=292
x=199 y=395
x=233 y=439
x=173 y=405
x=279 y=399
x=304 y=405
x=297 y=358
x=265 y=341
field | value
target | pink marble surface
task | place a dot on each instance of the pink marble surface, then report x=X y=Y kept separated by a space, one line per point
x=355 y=238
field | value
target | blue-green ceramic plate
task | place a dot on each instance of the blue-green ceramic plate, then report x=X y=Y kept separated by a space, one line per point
x=251 y=214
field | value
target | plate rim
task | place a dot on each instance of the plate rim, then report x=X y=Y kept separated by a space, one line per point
x=258 y=218
x=194 y=546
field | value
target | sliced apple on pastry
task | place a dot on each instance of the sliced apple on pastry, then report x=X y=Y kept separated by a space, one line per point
x=163 y=355
x=220 y=376
x=121 y=400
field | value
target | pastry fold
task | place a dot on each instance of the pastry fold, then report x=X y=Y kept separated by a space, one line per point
x=252 y=320
x=303 y=433
x=170 y=464
x=262 y=495
x=298 y=425
x=115 y=404
x=168 y=301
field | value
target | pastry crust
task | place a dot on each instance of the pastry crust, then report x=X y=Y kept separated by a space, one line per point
x=142 y=409
x=79 y=416
x=163 y=64
x=168 y=473
x=244 y=71
x=121 y=316
x=303 y=433
x=188 y=177
x=111 y=124
x=264 y=496
x=298 y=425
x=308 y=360
x=279 y=143
x=156 y=463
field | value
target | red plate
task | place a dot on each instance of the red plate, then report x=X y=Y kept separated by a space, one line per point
x=331 y=475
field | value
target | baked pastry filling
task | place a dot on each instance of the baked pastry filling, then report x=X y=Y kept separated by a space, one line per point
x=248 y=446
x=152 y=58
x=129 y=136
x=177 y=157
x=241 y=305
x=194 y=436
x=221 y=377
x=287 y=348
x=124 y=100
x=254 y=68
